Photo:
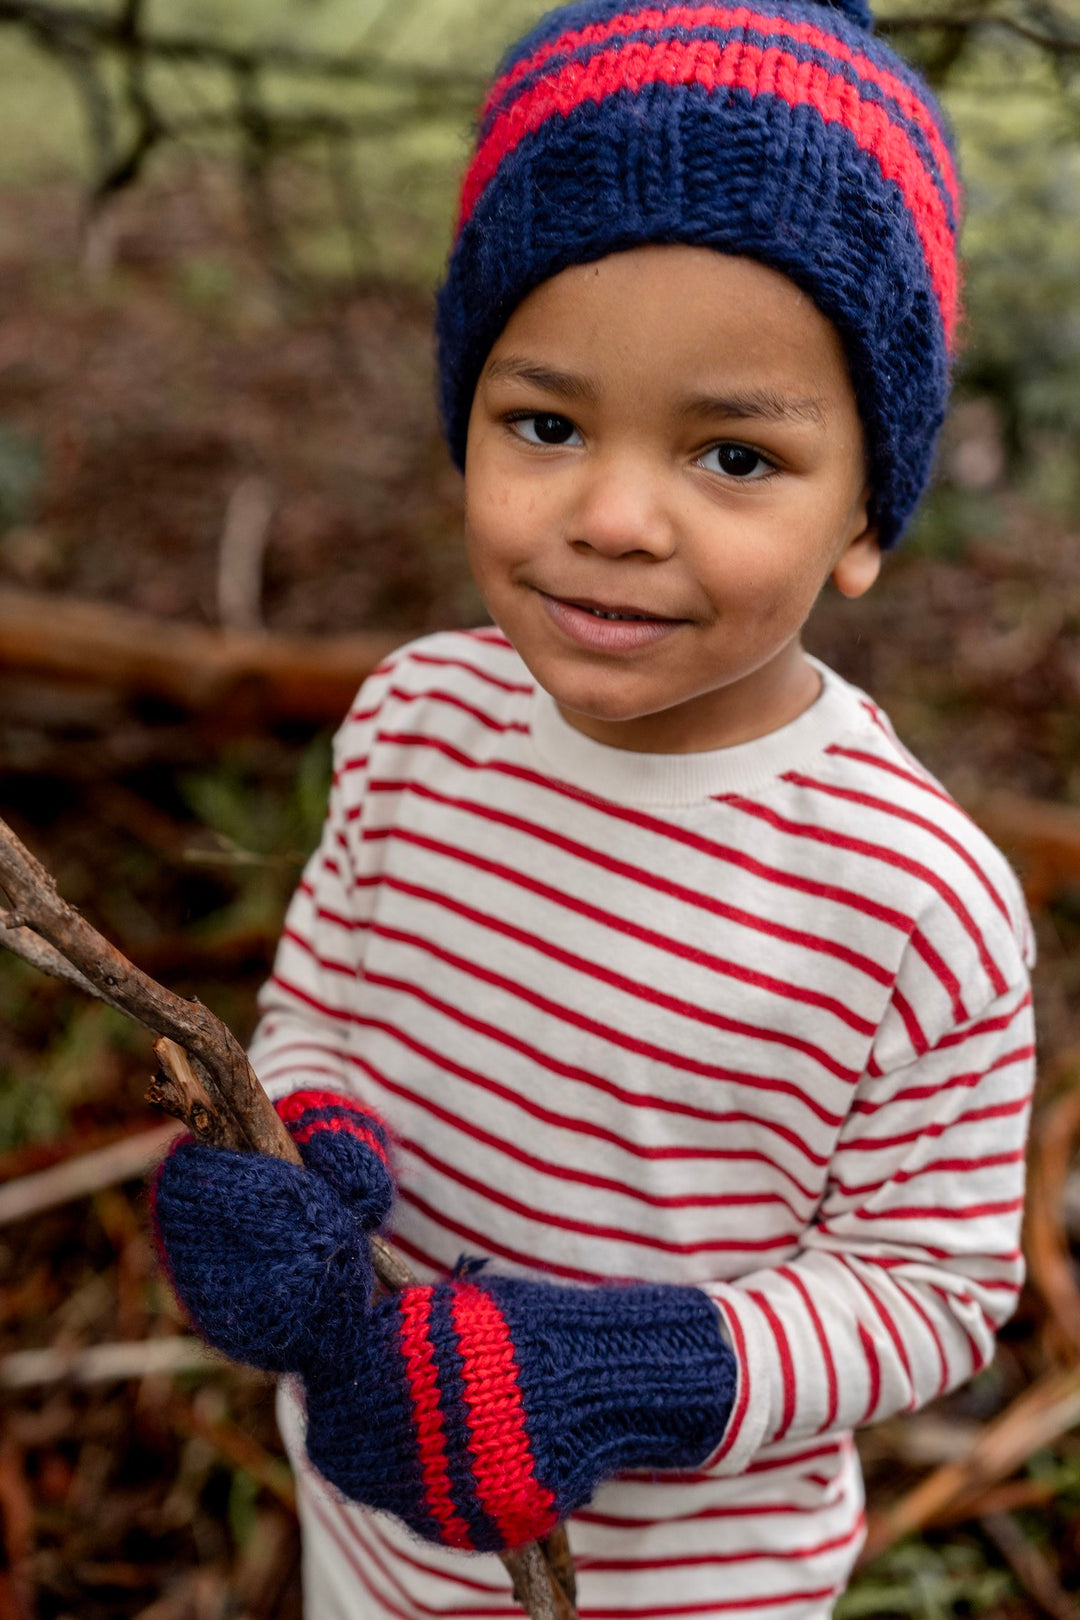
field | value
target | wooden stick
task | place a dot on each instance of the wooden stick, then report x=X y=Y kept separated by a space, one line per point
x=223 y=1067
x=207 y=1082
x=24 y=942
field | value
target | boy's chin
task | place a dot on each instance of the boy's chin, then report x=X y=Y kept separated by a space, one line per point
x=607 y=702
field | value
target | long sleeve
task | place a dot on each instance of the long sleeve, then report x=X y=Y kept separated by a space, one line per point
x=913 y=1260
x=305 y=1033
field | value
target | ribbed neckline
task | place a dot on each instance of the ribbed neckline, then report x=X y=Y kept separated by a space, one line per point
x=633 y=778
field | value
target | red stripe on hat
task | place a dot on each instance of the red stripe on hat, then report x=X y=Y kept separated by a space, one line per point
x=736 y=65
x=727 y=17
x=502 y=1460
x=414 y=1305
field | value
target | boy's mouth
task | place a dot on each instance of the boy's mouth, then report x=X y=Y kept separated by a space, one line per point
x=615 y=613
x=607 y=627
x=600 y=611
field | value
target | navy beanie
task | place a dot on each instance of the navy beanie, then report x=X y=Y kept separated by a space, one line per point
x=784 y=132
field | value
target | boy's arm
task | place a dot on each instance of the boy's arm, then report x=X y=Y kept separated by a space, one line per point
x=303 y=1037
x=913 y=1260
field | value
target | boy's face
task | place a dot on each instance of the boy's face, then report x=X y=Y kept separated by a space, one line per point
x=668 y=435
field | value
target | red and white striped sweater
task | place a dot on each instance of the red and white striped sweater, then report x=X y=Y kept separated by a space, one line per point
x=756 y=1020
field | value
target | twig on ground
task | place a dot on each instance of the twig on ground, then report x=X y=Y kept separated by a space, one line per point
x=238 y=1448
x=105 y=1363
x=1036 y=1418
x=1031 y=1568
x=16 y=1534
x=1018 y=1493
x=241 y=552
x=89 y=1173
x=1046 y=1243
x=1053 y=44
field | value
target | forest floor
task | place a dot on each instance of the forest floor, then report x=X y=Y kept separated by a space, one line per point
x=139 y=393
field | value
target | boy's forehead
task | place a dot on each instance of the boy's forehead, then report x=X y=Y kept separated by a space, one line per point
x=699 y=326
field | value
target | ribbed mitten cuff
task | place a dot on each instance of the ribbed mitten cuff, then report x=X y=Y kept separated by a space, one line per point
x=616 y=1377
x=483 y=1413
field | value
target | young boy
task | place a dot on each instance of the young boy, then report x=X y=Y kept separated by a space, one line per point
x=687 y=996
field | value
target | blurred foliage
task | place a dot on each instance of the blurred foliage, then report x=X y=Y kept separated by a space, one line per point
x=926 y=1582
x=77 y=1058
x=20 y=475
x=251 y=818
x=261 y=833
x=1020 y=142
x=347 y=122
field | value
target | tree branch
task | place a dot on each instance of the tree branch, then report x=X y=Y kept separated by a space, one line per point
x=1053 y=44
x=207 y=1082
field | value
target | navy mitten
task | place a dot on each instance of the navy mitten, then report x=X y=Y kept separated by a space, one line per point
x=257 y=1249
x=347 y=1145
x=484 y=1412
x=479 y=1411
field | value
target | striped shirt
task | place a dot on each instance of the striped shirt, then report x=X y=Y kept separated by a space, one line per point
x=756 y=1020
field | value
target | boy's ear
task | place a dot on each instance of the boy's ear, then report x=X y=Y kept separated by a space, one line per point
x=859 y=564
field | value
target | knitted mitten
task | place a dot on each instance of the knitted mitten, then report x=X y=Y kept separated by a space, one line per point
x=482 y=1413
x=257 y=1249
x=479 y=1412
x=343 y=1141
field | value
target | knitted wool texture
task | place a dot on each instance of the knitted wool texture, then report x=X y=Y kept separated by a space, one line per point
x=480 y=1413
x=258 y=1250
x=484 y=1413
x=781 y=131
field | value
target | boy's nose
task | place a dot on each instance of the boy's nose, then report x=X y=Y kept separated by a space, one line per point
x=621 y=508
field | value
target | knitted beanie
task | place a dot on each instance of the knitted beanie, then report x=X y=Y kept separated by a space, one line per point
x=782 y=131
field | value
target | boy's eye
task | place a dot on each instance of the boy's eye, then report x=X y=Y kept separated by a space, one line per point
x=736 y=461
x=543 y=428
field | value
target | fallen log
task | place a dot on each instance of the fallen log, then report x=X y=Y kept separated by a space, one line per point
x=191 y=666
x=256 y=678
x=1044 y=838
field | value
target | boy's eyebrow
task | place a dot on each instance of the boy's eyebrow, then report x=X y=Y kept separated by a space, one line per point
x=567 y=384
x=761 y=403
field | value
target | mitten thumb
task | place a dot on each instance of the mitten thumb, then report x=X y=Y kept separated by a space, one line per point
x=347 y=1144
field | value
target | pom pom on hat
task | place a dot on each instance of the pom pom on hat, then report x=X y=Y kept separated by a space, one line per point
x=781 y=130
